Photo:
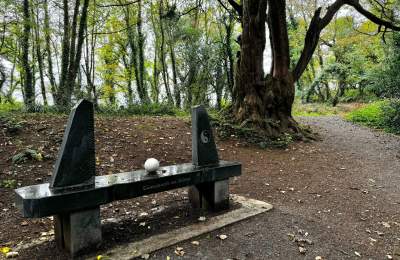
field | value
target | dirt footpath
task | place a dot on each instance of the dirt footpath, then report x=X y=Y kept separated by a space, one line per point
x=338 y=198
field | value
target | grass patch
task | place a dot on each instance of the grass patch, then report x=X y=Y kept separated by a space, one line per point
x=370 y=114
x=8 y=107
x=384 y=114
x=314 y=109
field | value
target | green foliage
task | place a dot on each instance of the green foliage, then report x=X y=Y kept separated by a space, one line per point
x=10 y=184
x=10 y=107
x=152 y=109
x=344 y=61
x=391 y=116
x=314 y=109
x=381 y=114
x=354 y=95
x=370 y=114
x=27 y=154
x=384 y=81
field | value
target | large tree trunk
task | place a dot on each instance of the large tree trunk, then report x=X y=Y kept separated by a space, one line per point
x=264 y=102
x=28 y=91
x=267 y=102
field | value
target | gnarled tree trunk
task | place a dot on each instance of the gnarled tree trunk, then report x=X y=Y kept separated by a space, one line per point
x=264 y=101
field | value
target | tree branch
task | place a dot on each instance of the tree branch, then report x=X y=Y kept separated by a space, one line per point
x=375 y=19
x=317 y=24
x=114 y=5
x=238 y=8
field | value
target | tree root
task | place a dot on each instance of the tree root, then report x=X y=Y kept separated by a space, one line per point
x=268 y=133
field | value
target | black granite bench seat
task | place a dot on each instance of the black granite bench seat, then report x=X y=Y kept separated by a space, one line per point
x=40 y=201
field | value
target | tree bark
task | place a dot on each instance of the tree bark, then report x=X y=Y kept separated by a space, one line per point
x=53 y=85
x=144 y=96
x=134 y=53
x=162 y=54
x=264 y=102
x=29 y=91
x=2 y=80
x=39 y=55
x=155 y=91
x=75 y=59
x=71 y=51
x=70 y=80
x=177 y=90
x=61 y=93
x=229 y=63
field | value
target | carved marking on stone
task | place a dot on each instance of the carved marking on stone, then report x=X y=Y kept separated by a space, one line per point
x=204 y=150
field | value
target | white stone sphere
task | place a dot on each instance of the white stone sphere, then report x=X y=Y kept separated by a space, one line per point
x=151 y=165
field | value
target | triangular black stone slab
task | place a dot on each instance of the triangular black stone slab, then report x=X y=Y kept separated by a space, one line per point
x=75 y=166
x=204 y=150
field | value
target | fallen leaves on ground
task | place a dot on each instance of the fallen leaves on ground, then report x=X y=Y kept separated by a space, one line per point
x=12 y=254
x=179 y=251
x=5 y=250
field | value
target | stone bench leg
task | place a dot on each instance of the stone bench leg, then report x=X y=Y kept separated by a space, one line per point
x=212 y=195
x=78 y=231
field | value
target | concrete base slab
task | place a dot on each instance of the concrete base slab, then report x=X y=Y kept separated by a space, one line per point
x=249 y=208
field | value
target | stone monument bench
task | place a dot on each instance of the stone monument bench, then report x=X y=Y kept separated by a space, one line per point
x=74 y=194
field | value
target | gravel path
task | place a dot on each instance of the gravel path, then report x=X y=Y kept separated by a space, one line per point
x=340 y=197
x=376 y=151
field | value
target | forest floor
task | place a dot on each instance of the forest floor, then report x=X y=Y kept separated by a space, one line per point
x=338 y=198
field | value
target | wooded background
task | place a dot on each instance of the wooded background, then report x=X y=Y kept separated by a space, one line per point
x=120 y=53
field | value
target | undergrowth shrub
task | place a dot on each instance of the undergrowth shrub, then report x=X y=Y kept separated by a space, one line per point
x=391 y=116
x=353 y=95
x=370 y=114
x=10 y=107
x=381 y=114
x=138 y=109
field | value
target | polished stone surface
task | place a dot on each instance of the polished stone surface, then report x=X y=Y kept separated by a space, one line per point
x=75 y=165
x=204 y=150
x=40 y=200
